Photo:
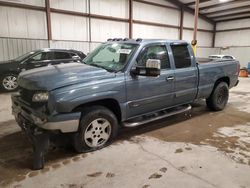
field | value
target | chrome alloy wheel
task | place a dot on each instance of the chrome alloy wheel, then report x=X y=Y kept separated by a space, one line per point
x=10 y=83
x=97 y=133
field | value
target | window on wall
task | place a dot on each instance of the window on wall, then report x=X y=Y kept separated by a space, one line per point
x=154 y=52
x=181 y=56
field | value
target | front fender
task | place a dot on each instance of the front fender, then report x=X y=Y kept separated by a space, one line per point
x=69 y=105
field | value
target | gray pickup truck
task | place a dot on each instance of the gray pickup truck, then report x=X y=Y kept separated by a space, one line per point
x=123 y=82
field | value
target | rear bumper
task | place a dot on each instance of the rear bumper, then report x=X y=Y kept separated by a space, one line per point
x=26 y=116
x=236 y=83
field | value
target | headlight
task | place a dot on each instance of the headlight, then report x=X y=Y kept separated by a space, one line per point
x=40 y=97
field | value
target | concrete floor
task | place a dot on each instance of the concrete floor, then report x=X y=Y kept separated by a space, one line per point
x=195 y=149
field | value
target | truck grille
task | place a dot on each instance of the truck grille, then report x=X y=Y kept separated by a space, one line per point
x=26 y=94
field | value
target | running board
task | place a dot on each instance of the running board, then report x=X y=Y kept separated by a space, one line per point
x=156 y=116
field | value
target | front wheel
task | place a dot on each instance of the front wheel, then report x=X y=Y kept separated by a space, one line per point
x=9 y=82
x=98 y=127
x=219 y=97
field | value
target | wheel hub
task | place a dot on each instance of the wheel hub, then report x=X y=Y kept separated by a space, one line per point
x=10 y=82
x=97 y=133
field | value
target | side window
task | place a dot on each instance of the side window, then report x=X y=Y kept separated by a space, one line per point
x=39 y=57
x=61 y=55
x=50 y=55
x=154 y=52
x=181 y=55
x=227 y=57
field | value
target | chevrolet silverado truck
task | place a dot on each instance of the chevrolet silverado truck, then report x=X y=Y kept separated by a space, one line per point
x=123 y=82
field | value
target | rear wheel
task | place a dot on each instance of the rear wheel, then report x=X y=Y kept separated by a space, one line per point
x=98 y=127
x=219 y=97
x=9 y=82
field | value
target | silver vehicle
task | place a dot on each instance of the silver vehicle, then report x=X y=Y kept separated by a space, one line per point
x=222 y=57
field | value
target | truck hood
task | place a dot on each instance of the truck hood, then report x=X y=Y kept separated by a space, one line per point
x=56 y=76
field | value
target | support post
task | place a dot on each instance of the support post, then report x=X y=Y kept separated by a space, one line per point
x=48 y=17
x=130 y=18
x=196 y=16
x=181 y=24
x=214 y=34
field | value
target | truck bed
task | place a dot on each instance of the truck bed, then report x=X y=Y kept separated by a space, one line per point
x=210 y=71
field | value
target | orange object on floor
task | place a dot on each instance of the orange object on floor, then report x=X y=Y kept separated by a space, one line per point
x=243 y=73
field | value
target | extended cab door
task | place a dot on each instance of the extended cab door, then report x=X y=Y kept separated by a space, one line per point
x=185 y=74
x=147 y=94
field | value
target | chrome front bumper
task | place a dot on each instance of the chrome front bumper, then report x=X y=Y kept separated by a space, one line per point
x=65 y=123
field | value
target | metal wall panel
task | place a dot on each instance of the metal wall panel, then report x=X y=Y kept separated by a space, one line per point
x=205 y=52
x=28 y=2
x=156 y=14
x=93 y=45
x=22 y=23
x=145 y=31
x=12 y=48
x=233 y=38
x=67 y=27
x=81 y=46
x=110 y=8
x=163 y=2
x=203 y=38
x=241 y=53
x=101 y=30
x=72 y=5
x=233 y=24
x=202 y=24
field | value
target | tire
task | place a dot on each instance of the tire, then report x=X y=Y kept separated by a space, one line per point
x=219 y=97
x=98 y=127
x=9 y=82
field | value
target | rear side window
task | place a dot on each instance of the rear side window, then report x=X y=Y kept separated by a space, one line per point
x=62 y=55
x=181 y=56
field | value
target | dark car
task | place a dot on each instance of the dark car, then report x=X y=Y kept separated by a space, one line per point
x=9 y=70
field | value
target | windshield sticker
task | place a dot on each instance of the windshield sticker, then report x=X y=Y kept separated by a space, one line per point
x=123 y=51
x=114 y=45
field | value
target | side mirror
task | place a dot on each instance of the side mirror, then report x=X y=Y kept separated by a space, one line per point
x=153 y=68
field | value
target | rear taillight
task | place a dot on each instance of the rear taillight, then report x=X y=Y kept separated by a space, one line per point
x=238 y=69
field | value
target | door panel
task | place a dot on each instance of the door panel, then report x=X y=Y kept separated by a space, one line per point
x=186 y=74
x=147 y=94
x=185 y=85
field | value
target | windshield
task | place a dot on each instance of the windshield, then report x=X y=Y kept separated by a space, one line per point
x=24 y=56
x=111 y=56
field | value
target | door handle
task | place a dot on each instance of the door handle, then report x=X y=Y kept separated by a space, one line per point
x=170 y=78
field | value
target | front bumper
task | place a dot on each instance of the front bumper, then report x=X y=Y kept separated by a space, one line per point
x=27 y=117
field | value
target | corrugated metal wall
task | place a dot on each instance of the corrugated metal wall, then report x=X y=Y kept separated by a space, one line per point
x=26 y=30
x=239 y=44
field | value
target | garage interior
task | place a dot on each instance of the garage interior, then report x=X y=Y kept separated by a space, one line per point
x=198 y=148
